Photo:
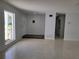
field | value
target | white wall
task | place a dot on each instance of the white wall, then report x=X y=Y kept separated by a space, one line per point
x=72 y=26
x=37 y=28
x=24 y=24
x=18 y=20
x=50 y=25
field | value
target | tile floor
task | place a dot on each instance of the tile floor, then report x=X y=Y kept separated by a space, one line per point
x=43 y=49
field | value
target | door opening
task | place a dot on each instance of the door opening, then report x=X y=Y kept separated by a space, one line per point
x=9 y=21
x=59 y=26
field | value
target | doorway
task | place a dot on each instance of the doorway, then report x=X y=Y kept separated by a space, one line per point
x=9 y=21
x=59 y=26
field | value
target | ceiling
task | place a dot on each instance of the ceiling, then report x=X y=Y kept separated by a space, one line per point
x=46 y=5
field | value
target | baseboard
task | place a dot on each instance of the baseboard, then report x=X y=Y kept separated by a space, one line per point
x=33 y=36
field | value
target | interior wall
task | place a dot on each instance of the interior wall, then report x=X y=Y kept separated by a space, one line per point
x=37 y=28
x=18 y=21
x=1 y=30
x=72 y=26
x=50 y=25
x=24 y=24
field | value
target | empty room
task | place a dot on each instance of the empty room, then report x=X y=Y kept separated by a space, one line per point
x=39 y=29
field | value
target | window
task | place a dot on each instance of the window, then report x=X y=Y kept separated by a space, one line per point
x=9 y=20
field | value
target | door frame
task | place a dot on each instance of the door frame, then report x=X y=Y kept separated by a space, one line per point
x=6 y=13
